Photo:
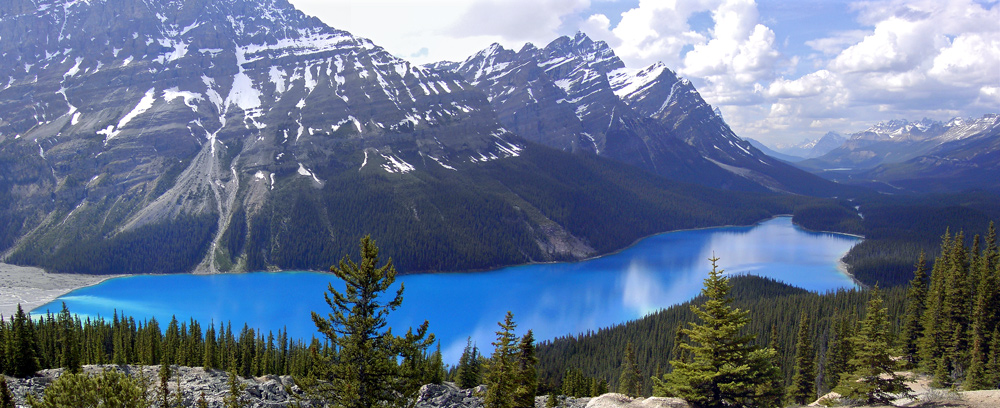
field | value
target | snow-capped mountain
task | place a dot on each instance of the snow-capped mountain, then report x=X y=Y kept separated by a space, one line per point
x=899 y=140
x=168 y=136
x=575 y=94
x=967 y=156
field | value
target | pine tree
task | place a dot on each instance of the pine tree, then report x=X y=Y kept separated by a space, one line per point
x=435 y=368
x=552 y=401
x=6 y=399
x=803 y=388
x=364 y=372
x=872 y=379
x=932 y=343
x=235 y=397
x=725 y=369
x=500 y=381
x=526 y=376
x=467 y=373
x=916 y=298
x=69 y=344
x=840 y=350
x=164 y=393
x=630 y=381
x=22 y=347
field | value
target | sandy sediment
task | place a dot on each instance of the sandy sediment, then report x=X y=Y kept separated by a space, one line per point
x=32 y=287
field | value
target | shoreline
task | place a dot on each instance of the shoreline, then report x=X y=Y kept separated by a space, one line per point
x=32 y=287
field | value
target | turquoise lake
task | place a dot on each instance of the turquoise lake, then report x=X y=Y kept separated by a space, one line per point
x=552 y=299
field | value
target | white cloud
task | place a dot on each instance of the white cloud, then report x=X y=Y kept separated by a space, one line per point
x=518 y=20
x=918 y=59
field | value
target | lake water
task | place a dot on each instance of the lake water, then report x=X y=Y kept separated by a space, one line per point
x=552 y=299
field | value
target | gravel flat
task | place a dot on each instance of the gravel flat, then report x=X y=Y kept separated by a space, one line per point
x=33 y=287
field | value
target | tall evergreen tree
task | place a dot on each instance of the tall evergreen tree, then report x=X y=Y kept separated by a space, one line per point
x=69 y=344
x=526 y=376
x=839 y=350
x=6 y=398
x=803 y=388
x=22 y=346
x=630 y=380
x=364 y=372
x=872 y=379
x=468 y=371
x=916 y=298
x=725 y=368
x=500 y=374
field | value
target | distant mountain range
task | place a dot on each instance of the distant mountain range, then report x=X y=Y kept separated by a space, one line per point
x=234 y=135
x=807 y=149
x=923 y=156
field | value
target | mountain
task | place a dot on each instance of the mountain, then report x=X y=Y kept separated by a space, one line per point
x=768 y=151
x=244 y=135
x=576 y=95
x=892 y=141
x=958 y=154
x=812 y=148
x=968 y=157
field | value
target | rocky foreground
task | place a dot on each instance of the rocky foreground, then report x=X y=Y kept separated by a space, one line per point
x=280 y=391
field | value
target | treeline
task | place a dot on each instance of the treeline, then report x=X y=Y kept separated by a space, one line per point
x=775 y=310
x=952 y=319
x=898 y=228
x=64 y=340
x=168 y=247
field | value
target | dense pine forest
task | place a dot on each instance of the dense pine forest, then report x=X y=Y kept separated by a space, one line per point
x=944 y=323
x=898 y=227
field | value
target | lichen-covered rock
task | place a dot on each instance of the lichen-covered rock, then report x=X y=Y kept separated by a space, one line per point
x=447 y=395
x=612 y=400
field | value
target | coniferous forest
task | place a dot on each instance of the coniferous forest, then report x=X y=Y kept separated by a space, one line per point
x=944 y=324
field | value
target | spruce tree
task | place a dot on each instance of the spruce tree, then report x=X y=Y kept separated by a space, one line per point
x=234 y=399
x=725 y=368
x=69 y=344
x=552 y=401
x=932 y=342
x=803 y=388
x=630 y=380
x=467 y=373
x=22 y=347
x=916 y=297
x=872 y=379
x=435 y=368
x=839 y=350
x=6 y=398
x=526 y=376
x=364 y=372
x=500 y=381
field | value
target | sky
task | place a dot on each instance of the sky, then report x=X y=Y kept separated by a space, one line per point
x=781 y=71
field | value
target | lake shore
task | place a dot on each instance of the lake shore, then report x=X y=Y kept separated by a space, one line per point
x=32 y=287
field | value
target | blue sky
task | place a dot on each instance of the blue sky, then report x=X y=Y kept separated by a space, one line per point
x=780 y=71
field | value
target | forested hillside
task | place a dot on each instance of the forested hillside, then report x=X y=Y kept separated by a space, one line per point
x=898 y=227
x=944 y=323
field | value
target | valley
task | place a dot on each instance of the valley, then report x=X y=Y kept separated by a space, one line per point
x=205 y=162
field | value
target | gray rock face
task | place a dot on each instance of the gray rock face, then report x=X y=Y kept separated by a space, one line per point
x=121 y=114
x=623 y=401
x=263 y=392
x=575 y=94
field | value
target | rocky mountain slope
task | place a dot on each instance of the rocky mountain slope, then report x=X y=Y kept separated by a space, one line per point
x=575 y=94
x=899 y=140
x=205 y=135
x=919 y=156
